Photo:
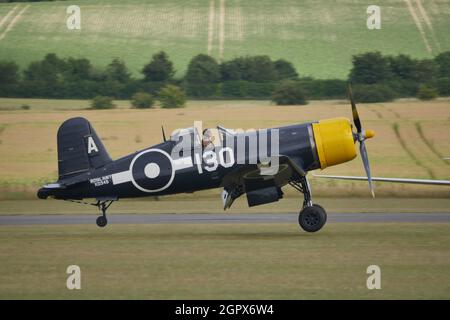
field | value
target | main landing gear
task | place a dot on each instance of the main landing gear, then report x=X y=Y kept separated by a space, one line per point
x=103 y=206
x=312 y=217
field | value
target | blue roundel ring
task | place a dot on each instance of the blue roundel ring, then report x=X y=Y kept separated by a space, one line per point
x=152 y=170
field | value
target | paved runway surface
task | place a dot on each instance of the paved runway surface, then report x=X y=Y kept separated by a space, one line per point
x=220 y=218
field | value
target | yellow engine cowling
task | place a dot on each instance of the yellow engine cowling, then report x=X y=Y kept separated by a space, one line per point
x=334 y=141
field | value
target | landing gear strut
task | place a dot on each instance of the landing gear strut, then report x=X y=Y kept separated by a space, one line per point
x=312 y=217
x=103 y=206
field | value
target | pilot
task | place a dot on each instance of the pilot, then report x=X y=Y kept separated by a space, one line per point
x=208 y=139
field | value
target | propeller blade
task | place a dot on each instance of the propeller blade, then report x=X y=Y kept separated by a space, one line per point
x=163 y=133
x=356 y=120
x=365 y=159
x=361 y=136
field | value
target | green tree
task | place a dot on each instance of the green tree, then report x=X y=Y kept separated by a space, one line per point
x=367 y=93
x=443 y=62
x=48 y=69
x=45 y=78
x=202 y=76
x=370 y=68
x=402 y=66
x=142 y=100
x=289 y=92
x=203 y=69
x=443 y=86
x=259 y=69
x=426 y=92
x=232 y=70
x=78 y=69
x=54 y=63
x=160 y=68
x=118 y=71
x=9 y=73
x=426 y=71
x=285 y=70
x=251 y=68
x=102 y=102
x=172 y=97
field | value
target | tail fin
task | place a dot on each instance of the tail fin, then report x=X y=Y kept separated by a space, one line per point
x=79 y=148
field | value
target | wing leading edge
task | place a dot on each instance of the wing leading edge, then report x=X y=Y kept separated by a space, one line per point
x=393 y=180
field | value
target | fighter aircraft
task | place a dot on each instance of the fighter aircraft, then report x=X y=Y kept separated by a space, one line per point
x=258 y=163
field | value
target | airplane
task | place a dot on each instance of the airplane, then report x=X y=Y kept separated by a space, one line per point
x=87 y=171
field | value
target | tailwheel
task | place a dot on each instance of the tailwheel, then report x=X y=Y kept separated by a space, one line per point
x=312 y=218
x=103 y=206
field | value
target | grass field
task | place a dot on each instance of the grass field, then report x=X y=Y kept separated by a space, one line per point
x=412 y=137
x=273 y=261
x=319 y=37
x=202 y=204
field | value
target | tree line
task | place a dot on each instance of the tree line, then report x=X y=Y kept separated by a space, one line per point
x=383 y=77
x=375 y=77
x=55 y=77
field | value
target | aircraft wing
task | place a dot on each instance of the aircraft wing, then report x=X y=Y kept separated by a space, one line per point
x=394 y=180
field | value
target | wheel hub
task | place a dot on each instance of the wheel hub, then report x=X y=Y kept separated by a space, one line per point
x=311 y=219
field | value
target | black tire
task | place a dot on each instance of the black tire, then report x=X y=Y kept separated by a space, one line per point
x=312 y=219
x=102 y=221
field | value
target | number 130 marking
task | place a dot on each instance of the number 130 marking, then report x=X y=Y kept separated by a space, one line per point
x=225 y=159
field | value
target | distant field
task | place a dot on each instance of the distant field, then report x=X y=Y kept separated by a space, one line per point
x=209 y=261
x=319 y=37
x=28 y=138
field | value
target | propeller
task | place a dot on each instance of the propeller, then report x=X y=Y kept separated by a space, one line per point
x=360 y=136
x=163 y=134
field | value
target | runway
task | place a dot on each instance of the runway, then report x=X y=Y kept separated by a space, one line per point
x=224 y=218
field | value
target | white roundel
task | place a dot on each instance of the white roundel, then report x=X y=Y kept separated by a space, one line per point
x=152 y=170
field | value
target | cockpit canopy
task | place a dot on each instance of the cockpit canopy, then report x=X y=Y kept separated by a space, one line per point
x=196 y=138
x=192 y=133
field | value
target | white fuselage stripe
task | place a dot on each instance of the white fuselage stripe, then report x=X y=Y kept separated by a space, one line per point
x=121 y=177
x=125 y=176
x=182 y=163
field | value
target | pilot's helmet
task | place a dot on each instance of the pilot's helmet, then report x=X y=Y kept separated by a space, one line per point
x=208 y=137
